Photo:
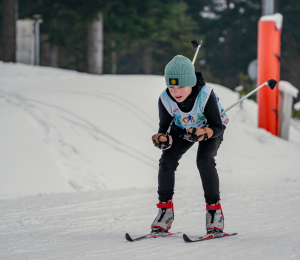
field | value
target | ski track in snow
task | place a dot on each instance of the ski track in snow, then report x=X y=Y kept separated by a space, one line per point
x=69 y=155
x=93 y=130
x=92 y=225
x=88 y=126
x=124 y=104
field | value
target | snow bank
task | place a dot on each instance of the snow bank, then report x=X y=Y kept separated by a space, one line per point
x=297 y=106
x=66 y=131
x=287 y=87
x=73 y=131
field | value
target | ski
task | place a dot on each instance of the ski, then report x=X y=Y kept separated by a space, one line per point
x=150 y=235
x=208 y=236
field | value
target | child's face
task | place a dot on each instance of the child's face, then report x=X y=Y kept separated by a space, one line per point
x=180 y=93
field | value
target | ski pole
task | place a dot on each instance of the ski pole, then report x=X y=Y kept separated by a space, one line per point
x=271 y=83
x=196 y=46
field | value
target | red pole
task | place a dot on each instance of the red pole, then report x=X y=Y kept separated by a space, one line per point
x=268 y=53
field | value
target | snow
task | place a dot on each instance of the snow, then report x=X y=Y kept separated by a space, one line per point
x=79 y=170
x=239 y=88
x=297 y=106
x=287 y=87
x=277 y=18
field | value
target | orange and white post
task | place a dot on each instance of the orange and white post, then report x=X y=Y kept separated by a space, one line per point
x=268 y=56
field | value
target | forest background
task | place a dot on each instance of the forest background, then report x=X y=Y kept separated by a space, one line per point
x=141 y=37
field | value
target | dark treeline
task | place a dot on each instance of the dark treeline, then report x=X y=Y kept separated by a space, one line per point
x=140 y=37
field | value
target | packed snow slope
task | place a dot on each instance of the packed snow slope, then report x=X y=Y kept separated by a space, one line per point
x=79 y=170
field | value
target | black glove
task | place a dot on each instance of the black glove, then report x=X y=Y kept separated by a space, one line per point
x=163 y=145
x=198 y=134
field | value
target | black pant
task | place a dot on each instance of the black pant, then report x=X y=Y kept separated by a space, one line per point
x=168 y=163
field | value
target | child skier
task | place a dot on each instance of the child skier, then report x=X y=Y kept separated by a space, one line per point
x=186 y=104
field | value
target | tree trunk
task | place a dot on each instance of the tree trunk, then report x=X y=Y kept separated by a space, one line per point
x=10 y=8
x=147 y=59
x=49 y=52
x=95 y=46
x=113 y=58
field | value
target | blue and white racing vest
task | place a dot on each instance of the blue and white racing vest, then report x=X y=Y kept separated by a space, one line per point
x=195 y=118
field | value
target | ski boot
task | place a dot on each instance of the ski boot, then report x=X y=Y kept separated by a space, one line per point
x=164 y=218
x=214 y=218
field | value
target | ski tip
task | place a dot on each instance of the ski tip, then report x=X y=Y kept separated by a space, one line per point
x=186 y=238
x=128 y=238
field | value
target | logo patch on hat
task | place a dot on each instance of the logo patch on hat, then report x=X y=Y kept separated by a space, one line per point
x=173 y=81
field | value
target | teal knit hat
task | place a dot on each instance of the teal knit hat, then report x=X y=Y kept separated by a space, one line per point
x=180 y=71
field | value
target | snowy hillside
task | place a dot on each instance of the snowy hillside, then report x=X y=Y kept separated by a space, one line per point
x=80 y=146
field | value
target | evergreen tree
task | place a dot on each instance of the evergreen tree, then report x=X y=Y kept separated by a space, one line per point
x=170 y=34
x=230 y=30
x=127 y=23
x=290 y=42
x=9 y=8
x=142 y=36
